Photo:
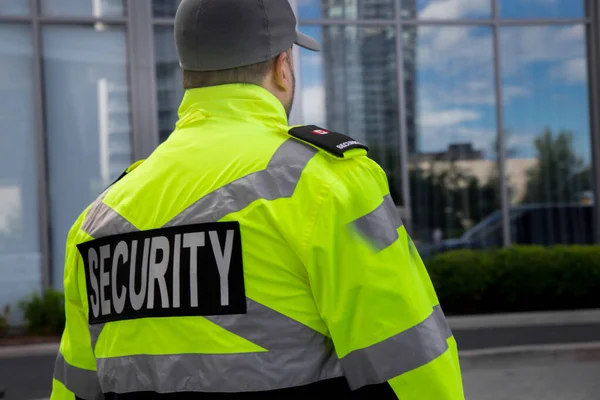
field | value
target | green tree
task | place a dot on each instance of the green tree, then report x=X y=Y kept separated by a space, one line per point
x=559 y=174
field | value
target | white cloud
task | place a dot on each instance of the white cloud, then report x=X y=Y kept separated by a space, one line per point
x=452 y=9
x=433 y=139
x=522 y=46
x=312 y=60
x=460 y=94
x=479 y=85
x=313 y=105
x=573 y=70
x=10 y=206
x=516 y=141
x=454 y=51
x=444 y=118
x=512 y=91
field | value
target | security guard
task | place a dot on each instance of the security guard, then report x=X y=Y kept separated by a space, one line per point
x=244 y=259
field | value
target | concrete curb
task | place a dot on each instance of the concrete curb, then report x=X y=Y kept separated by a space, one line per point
x=530 y=355
x=43 y=349
x=526 y=319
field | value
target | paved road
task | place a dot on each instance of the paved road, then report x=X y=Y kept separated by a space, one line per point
x=541 y=382
x=28 y=378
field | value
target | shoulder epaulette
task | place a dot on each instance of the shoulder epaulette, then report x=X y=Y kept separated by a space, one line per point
x=333 y=142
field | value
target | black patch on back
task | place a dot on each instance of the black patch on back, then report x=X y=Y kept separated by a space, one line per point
x=190 y=270
x=334 y=142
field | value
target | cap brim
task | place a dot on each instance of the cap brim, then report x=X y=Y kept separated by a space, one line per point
x=307 y=42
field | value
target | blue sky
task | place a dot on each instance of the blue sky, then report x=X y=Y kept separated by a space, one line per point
x=543 y=75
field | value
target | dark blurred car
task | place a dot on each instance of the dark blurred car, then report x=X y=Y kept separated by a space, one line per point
x=531 y=224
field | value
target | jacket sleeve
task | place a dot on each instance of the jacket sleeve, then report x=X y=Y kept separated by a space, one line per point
x=374 y=292
x=75 y=368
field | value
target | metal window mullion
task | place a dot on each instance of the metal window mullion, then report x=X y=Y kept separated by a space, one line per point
x=593 y=64
x=43 y=195
x=14 y=19
x=450 y=22
x=372 y=22
x=163 y=21
x=142 y=79
x=297 y=113
x=403 y=142
x=503 y=22
x=504 y=200
x=81 y=20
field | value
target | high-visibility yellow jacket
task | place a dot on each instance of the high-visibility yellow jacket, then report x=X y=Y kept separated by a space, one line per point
x=243 y=257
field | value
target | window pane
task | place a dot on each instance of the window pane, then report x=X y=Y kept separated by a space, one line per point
x=14 y=7
x=541 y=9
x=548 y=133
x=168 y=80
x=446 y=9
x=351 y=87
x=452 y=136
x=19 y=243
x=164 y=8
x=84 y=8
x=345 y=9
x=87 y=117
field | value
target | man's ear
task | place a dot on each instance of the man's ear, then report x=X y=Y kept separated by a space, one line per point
x=282 y=76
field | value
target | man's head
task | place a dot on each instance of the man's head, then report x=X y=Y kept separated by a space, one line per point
x=239 y=41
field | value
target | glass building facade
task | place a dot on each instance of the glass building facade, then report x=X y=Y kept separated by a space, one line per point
x=483 y=113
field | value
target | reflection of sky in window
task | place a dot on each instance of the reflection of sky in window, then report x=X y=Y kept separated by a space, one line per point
x=345 y=9
x=544 y=78
x=309 y=9
x=453 y=9
x=541 y=8
x=549 y=63
x=455 y=92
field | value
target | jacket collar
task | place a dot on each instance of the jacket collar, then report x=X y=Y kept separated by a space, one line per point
x=242 y=102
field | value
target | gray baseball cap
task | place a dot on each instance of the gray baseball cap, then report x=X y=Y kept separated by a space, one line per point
x=213 y=35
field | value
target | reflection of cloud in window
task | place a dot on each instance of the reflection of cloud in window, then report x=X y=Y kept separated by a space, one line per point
x=456 y=50
x=312 y=60
x=10 y=206
x=313 y=105
x=573 y=70
x=447 y=117
x=525 y=45
x=453 y=9
x=438 y=138
x=463 y=92
x=452 y=51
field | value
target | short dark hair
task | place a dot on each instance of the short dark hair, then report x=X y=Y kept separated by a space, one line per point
x=250 y=74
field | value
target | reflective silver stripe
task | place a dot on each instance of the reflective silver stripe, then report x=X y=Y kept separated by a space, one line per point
x=381 y=225
x=95 y=331
x=240 y=372
x=82 y=382
x=399 y=354
x=291 y=152
x=268 y=328
x=101 y=220
x=278 y=180
x=297 y=355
